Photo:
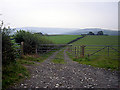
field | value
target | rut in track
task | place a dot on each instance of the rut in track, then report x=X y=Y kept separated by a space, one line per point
x=68 y=75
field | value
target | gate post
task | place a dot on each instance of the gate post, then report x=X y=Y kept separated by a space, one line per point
x=36 y=49
x=108 y=50
x=68 y=48
x=82 y=51
x=22 y=50
x=75 y=52
x=71 y=48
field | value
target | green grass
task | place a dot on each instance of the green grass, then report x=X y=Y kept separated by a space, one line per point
x=13 y=73
x=98 y=40
x=62 y=39
x=31 y=59
x=46 y=55
x=23 y=61
x=99 y=59
x=59 y=58
x=28 y=59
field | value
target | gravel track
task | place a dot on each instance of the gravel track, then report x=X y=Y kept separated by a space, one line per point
x=68 y=75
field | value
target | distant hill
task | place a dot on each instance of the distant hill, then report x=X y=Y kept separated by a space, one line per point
x=47 y=30
x=94 y=30
x=67 y=31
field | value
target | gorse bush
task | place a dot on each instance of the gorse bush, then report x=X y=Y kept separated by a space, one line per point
x=30 y=41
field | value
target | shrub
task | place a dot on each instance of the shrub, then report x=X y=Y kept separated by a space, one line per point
x=15 y=46
x=8 y=52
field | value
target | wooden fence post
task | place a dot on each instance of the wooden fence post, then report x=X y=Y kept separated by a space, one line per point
x=75 y=52
x=82 y=51
x=79 y=51
x=36 y=50
x=70 y=49
x=22 y=51
x=108 y=50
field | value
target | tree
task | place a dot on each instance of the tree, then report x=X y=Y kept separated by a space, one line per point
x=91 y=33
x=46 y=34
x=39 y=33
x=83 y=35
x=100 y=33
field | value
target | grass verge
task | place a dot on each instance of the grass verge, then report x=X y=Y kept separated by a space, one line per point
x=97 y=61
x=12 y=74
x=31 y=59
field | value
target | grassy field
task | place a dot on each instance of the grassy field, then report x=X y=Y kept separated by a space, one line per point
x=63 y=39
x=98 y=40
x=100 y=59
x=94 y=43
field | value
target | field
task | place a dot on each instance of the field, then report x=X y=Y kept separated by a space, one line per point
x=63 y=39
x=94 y=43
x=107 y=57
x=98 y=40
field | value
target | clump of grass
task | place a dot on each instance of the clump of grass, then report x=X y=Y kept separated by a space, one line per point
x=13 y=73
x=23 y=61
x=59 y=58
x=29 y=58
x=81 y=59
x=37 y=58
x=45 y=55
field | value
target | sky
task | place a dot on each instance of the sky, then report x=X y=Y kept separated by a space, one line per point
x=60 y=13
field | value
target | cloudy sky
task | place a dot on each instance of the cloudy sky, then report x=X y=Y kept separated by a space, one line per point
x=60 y=13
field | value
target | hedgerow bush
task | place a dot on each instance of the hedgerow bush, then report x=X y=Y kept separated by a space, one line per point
x=16 y=47
x=31 y=41
x=8 y=52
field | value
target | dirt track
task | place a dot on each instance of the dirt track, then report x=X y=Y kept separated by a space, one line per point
x=69 y=75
